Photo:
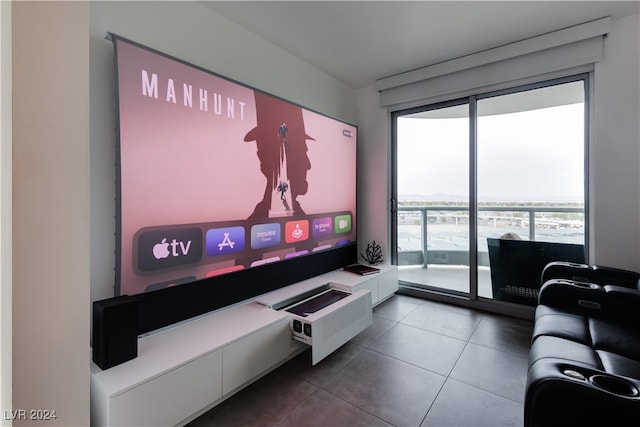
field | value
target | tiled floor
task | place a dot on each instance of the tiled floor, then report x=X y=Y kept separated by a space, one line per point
x=421 y=363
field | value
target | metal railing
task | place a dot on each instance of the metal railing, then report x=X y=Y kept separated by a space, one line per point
x=529 y=218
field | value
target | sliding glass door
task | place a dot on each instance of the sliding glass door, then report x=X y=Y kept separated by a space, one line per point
x=508 y=164
x=433 y=196
x=531 y=176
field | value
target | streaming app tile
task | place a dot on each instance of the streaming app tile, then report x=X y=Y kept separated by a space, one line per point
x=227 y=240
x=296 y=231
x=160 y=249
x=321 y=227
x=225 y=270
x=265 y=261
x=342 y=224
x=296 y=254
x=265 y=235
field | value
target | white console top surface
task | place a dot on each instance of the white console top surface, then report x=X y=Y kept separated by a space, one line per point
x=164 y=350
x=337 y=276
x=353 y=279
x=291 y=291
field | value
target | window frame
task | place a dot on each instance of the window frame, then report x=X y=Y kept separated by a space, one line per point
x=471 y=100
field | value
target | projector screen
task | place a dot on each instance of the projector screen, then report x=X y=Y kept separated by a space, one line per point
x=214 y=177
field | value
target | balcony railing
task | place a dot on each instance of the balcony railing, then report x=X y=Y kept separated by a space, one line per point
x=440 y=234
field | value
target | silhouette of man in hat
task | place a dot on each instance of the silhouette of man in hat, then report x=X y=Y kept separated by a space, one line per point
x=281 y=142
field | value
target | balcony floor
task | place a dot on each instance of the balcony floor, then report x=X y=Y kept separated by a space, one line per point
x=448 y=277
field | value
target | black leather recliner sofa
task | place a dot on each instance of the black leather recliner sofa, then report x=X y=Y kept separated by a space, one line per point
x=584 y=362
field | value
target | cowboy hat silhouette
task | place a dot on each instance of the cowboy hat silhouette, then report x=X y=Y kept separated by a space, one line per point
x=279 y=135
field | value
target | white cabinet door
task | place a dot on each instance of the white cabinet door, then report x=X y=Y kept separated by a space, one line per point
x=170 y=398
x=254 y=354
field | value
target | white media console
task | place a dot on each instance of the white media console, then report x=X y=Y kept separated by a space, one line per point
x=186 y=369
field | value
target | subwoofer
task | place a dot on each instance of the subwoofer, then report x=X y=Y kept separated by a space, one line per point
x=115 y=331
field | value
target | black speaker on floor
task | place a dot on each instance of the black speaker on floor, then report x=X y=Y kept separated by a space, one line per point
x=115 y=331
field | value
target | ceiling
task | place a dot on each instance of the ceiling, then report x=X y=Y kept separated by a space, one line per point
x=358 y=42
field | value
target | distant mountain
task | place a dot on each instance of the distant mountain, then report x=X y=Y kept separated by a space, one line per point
x=439 y=197
x=442 y=197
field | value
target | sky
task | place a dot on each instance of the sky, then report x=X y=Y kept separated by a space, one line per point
x=536 y=155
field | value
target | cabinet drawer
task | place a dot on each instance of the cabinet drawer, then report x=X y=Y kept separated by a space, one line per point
x=254 y=354
x=172 y=397
x=371 y=285
x=387 y=284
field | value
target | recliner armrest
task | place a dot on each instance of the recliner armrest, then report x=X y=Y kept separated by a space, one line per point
x=620 y=292
x=593 y=274
x=622 y=303
x=572 y=295
x=615 y=276
x=567 y=270
x=612 y=301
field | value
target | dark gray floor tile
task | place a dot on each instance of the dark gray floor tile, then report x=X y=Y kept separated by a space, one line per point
x=504 y=333
x=379 y=327
x=435 y=352
x=409 y=298
x=321 y=372
x=454 y=322
x=323 y=409
x=459 y=404
x=392 y=390
x=492 y=370
x=396 y=308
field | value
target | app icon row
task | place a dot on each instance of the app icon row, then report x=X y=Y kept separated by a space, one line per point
x=227 y=240
x=165 y=248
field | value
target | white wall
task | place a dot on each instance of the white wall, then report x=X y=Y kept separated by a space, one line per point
x=5 y=208
x=373 y=172
x=197 y=34
x=50 y=79
x=615 y=180
x=616 y=149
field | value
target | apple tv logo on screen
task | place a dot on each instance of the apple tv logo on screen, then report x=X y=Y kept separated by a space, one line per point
x=160 y=249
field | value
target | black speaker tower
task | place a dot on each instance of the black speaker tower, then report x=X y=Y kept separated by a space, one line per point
x=115 y=331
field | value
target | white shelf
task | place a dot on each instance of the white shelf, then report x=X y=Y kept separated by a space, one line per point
x=163 y=351
x=183 y=369
x=382 y=285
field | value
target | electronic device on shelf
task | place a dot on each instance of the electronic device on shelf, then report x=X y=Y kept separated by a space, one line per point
x=361 y=269
x=325 y=317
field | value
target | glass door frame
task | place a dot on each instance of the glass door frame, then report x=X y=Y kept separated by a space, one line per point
x=473 y=299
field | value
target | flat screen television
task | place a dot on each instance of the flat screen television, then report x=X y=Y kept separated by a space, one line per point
x=216 y=178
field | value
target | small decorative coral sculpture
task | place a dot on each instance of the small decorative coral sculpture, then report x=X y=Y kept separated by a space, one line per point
x=373 y=253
